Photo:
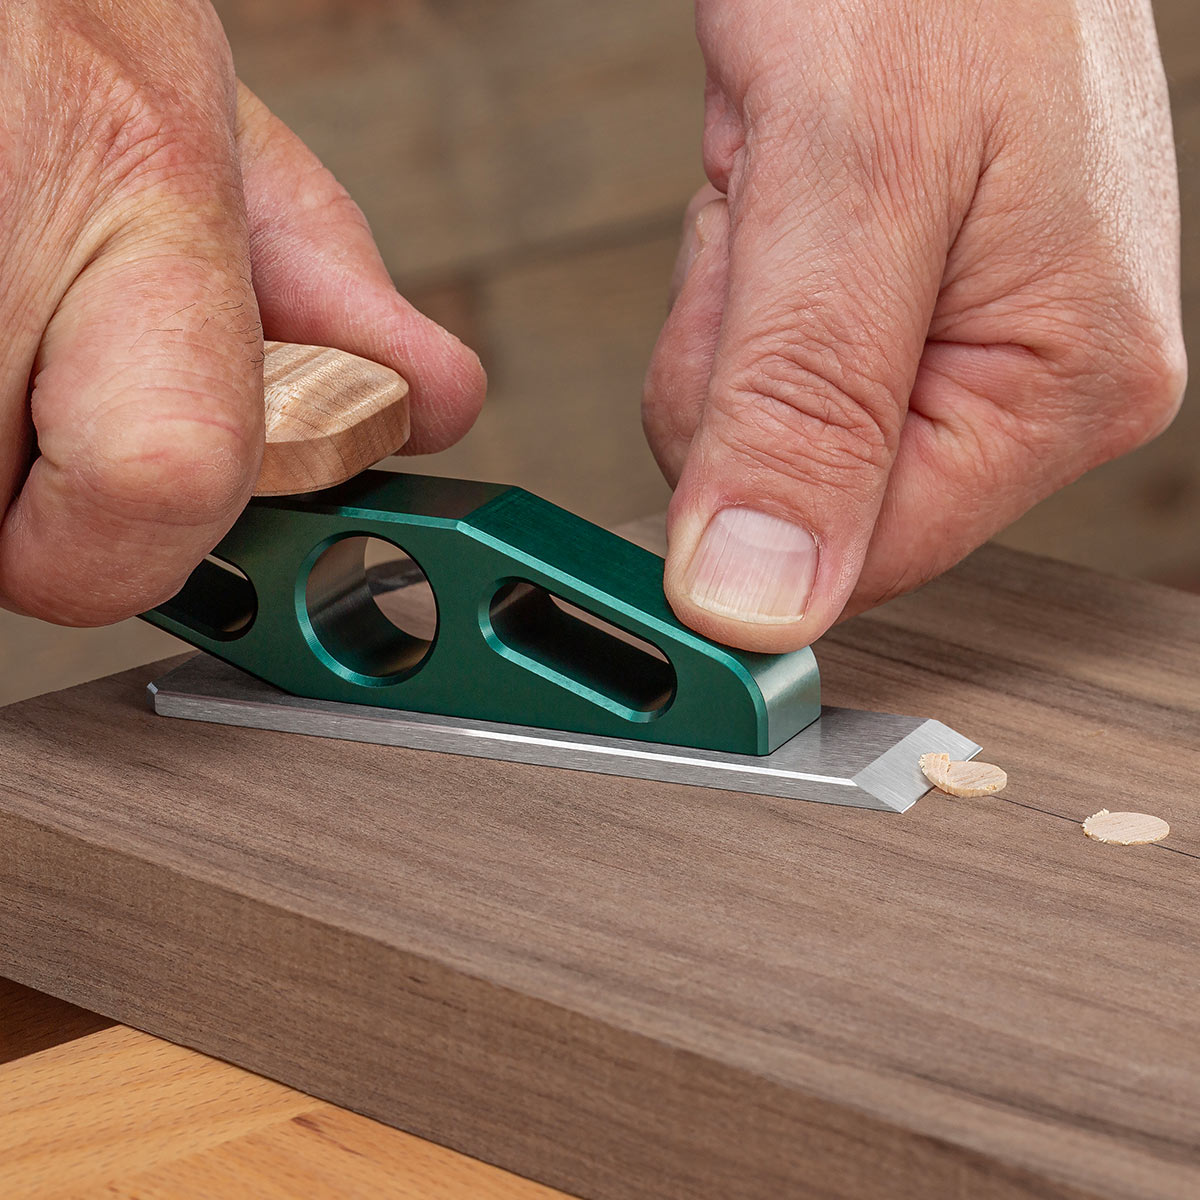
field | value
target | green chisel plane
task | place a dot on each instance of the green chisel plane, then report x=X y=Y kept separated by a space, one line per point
x=474 y=618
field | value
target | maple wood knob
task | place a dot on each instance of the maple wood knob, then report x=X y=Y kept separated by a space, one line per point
x=329 y=415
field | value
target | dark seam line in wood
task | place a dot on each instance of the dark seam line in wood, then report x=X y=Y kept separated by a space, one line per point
x=1002 y=1102
x=1073 y=821
x=1176 y=850
x=1034 y=808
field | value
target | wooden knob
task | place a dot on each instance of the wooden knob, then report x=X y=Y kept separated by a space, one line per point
x=329 y=414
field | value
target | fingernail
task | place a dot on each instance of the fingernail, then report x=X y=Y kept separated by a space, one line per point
x=753 y=567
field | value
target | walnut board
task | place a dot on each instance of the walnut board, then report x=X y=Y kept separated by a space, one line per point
x=628 y=989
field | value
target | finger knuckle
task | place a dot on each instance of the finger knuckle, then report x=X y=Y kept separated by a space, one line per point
x=126 y=120
x=170 y=467
x=316 y=190
x=795 y=415
x=1153 y=379
x=1126 y=379
x=315 y=196
x=888 y=584
x=118 y=136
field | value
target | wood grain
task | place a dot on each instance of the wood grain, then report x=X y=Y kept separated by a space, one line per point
x=629 y=989
x=137 y=1092
x=123 y=1114
x=329 y=1152
x=329 y=416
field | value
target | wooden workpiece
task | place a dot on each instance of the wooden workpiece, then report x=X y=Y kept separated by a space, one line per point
x=628 y=989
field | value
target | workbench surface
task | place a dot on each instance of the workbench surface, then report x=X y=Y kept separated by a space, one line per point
x=629 y=989
x=93 y=1110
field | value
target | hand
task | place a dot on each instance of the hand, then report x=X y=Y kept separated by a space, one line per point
x=935 y=278
x=141 y=191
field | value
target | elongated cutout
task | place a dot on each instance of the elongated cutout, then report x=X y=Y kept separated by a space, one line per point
x=218 y=601
x=582 y=651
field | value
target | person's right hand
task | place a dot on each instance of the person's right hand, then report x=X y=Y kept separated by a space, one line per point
x=154 y=220
x=935 y=278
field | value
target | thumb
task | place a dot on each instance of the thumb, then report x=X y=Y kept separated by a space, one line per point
x=830 y=292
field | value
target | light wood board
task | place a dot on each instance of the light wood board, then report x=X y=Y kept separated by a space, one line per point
x=89 y=1112
x=626 y=989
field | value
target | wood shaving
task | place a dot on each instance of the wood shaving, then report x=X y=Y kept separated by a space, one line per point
x=934 y=767
x=964 y=779
x=1125 y=828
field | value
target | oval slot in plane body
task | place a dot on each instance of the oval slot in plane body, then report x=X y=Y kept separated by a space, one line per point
x=579 y=650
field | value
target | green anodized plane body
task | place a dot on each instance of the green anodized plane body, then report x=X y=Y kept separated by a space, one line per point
x=543 y=619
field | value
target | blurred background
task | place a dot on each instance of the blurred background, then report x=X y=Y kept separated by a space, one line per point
x=524 y=167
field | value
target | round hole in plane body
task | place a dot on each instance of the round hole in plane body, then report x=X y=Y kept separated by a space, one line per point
x=371 y=608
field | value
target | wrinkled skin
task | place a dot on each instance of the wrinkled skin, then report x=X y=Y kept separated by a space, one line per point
x=140 y=191
x=935 y=277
